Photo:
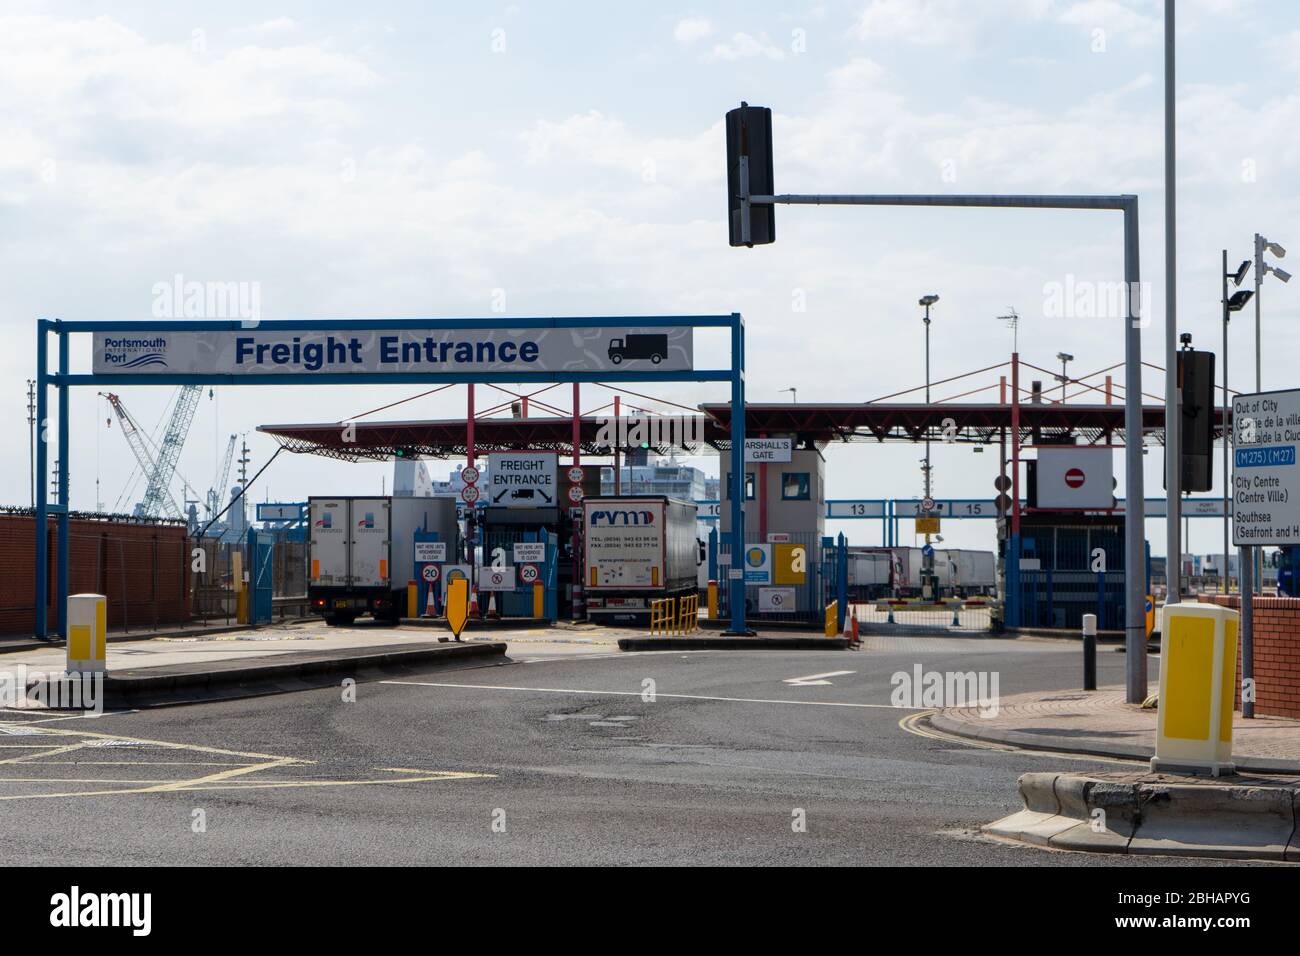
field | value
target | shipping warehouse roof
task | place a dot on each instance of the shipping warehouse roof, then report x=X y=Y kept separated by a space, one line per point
x=815 y=424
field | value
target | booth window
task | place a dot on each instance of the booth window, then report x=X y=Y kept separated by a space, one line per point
x=796 y=486
x=750 y=487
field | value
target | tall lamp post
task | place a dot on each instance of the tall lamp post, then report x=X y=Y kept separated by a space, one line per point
x=1234 y=303
x=1262 y=269
x=927 y=563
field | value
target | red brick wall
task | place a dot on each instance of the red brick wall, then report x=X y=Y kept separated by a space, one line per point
x=142 y=568
x=1277 y=654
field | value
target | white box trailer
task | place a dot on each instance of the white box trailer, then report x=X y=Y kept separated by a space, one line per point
x=906 y=579
x=870 y=573
x=974 y=572
x=637 y=549
x=362 y=552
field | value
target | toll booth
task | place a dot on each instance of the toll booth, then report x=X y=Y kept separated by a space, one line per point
x=1059 y=580
x=519 y=549
x=788 y=564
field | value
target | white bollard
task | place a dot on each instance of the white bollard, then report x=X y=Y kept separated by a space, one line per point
x=87 y=628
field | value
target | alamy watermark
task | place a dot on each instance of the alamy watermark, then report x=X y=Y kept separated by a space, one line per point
x=25 y=689
x=650 y=431
x=180 y=298
x=1077 y=298
x=922 y=690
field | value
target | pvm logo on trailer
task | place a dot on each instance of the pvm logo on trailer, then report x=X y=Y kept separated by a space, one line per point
x=131 y=353
x=326 y=520
x=612 y=518
x=367 y=520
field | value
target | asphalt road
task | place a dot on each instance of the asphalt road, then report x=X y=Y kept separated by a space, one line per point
x=552 y=758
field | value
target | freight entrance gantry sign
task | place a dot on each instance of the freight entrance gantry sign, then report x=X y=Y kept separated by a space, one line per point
x=1265 y=475
x=321 y=352
x=522 y=479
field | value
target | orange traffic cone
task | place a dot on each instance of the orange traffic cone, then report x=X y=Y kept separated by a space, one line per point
x=473 y=603
x=431 y=602
x=856 y=638
x=492 y=605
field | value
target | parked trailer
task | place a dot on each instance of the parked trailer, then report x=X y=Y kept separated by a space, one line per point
x=960 y=572
x=637 y=549
x=362 y=552
x=974 y=572
x=870 y=572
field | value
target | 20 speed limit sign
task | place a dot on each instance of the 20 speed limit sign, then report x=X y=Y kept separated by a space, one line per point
x=529 y=574
x=431 y=572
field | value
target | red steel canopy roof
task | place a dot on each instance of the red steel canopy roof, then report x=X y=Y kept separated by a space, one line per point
x=819 y=424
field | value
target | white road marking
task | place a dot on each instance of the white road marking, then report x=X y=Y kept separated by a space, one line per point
x=637 y=693
x=814 y=679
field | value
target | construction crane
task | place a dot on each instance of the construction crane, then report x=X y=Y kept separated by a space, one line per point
x=159 y=467
x=217 y=492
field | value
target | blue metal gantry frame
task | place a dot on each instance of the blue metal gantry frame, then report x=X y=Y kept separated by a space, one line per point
x=63 y=379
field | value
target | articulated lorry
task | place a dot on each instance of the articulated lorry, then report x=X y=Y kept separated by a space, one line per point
x=960 y=573
x=637 y=549
x=362 y=552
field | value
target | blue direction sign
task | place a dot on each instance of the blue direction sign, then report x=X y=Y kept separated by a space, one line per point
x=928 y=550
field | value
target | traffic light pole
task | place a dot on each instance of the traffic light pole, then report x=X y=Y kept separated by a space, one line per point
x=1134 y=537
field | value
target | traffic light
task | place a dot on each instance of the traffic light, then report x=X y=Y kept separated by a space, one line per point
x=1196 y=389
x=749 y=135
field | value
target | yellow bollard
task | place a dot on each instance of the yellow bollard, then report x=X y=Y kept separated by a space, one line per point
x=87 y=626
x=412 y=599
x=1198 y=678
x=539 y=600
x=713 y=600
x=832 y=615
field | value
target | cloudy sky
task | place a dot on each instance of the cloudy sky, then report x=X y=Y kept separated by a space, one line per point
x=405 y=159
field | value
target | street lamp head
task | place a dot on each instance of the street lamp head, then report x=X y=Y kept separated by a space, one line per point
x=1237 y=301
x=1280 y=273
x=1239 y=276
x=928 y=300
x=1276 y=249
x=1065 y=356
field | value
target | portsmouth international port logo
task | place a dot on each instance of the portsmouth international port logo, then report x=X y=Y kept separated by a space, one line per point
x=135 y=353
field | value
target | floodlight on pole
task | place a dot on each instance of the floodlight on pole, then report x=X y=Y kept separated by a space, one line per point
x=1065 y=358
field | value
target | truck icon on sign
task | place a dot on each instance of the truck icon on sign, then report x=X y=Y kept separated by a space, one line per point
x=643 y=346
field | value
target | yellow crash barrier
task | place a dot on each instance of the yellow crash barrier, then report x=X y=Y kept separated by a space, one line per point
x=688 y=614
x=832 y=619
x=663 y=615
x=1198 y=677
